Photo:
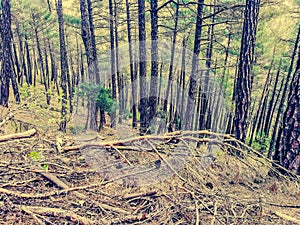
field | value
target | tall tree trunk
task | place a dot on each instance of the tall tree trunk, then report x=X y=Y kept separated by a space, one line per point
x=40 y=59
x=133 y=76
x=29 y=65
x=143 y=80
x=257 y=118
x=182 y=110
x=275 y=126
x=287 y=151
x=154 y=62
x=170 y=80
x=245 y=78
x=119 y=75
x=271 y=104
x=284 y=95
x=6 y=68
x=112 y=62
x=193 y=82
x=93 y=68
x=64 y=66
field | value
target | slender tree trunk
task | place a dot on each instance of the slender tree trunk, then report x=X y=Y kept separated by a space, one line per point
x=193 y=82
x=226 y=58
x=64 y=66
x=119 y=75
x=275 y=126
x=245 y=78
x=154 y=62
x=133 y=76
x=112 y=62
x=182 y=111
x=204 y=93
x=41 y=60
x=257 y=119
x=170 y=80
x=143 y=107
x=271 y=106
x=287 y=151
x=29 y=65
x=283 y=98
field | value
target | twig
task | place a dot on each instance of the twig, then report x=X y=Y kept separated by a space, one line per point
x=137 y=195
x=58 y=212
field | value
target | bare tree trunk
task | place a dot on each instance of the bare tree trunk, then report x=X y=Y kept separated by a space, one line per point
x=244 y=79
x=143 y=107
x=282 y=101
x=154 y=61
x=112 y=62
x=288 y=145
x=64 y=66
x=193 y=82
x=133 y=76
x=170 y=80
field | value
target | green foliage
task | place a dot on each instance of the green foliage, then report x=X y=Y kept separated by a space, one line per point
x=105 y=100
x=34 y=156
x=98 y=94
x=262 y=142
x=45 y=167
x=26 y=91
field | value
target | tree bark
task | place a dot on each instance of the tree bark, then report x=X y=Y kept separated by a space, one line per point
x=245 y=77
x=287 y=151
x=112 y=62
x=154 y=61
x=64 y=66
x=284 y=95
x=193 y=82
x=143 y=107
x=133 y=76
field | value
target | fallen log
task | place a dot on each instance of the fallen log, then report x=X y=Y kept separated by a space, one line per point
x=25 y=134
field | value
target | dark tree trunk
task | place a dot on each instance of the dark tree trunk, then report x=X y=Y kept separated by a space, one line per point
x=119 y=75
x=244 y=79
x=93 y=68
x=6 y=68
x=275 y=127
x=193 y=83
x=283 y=97
x=29 y=65
x=16 y=62
x=133 y=76
x=112 y=62
x=287 y=151
x=182 y=110
x=64 y=66
x=154 y=61
x=270 y=111
x=226 y=58
x=143 y=80
x=257 y=119
x=204 y=92
x=40 y=59
x=96 y=71
x=170 y=80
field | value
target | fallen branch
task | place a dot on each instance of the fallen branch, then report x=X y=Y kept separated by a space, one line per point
x=25 y=134
x=287 y=217
x=108 y=144
x=138 y=195
x=58 y=213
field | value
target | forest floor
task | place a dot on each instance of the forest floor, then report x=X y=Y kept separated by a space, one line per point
x=47 y=179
